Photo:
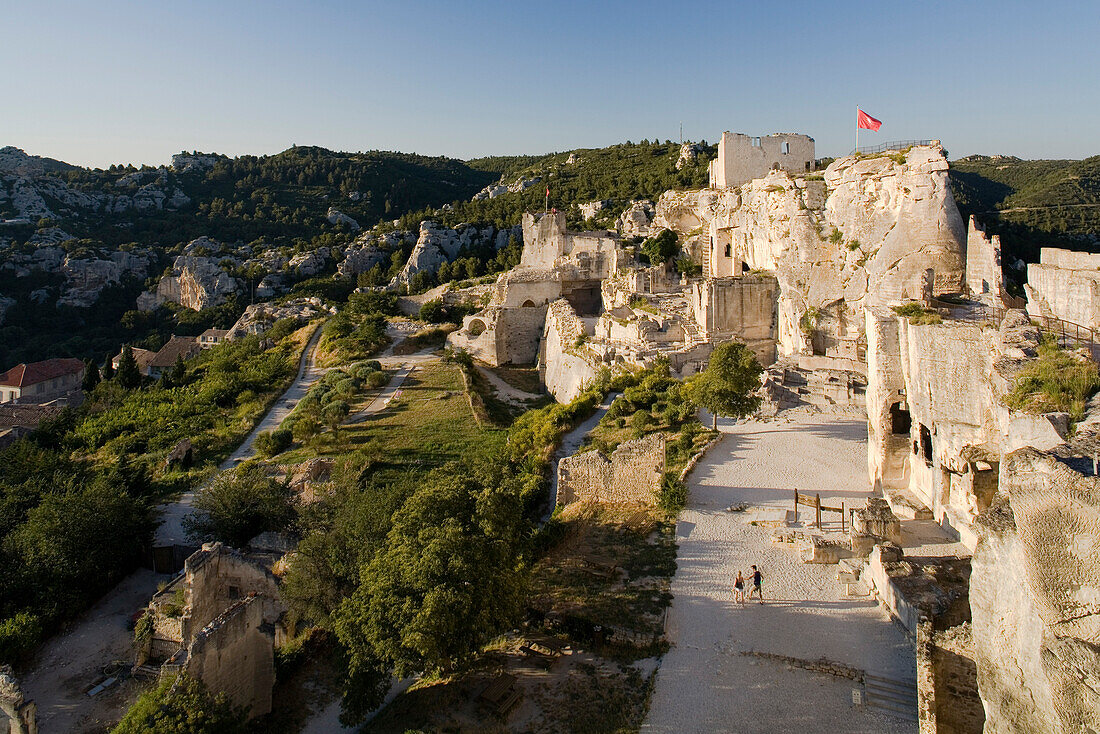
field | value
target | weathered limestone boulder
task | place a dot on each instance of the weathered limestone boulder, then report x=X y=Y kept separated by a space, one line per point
x=311 y=263
x=359 y=258
x=49 y=236
x=194 y=162
x=872 y=525
x=195 y=283
x=335 y=216
x=592 y=208
x=260 y=317
x=436 y=245
x=637 y=219
x=1035 y=598
x=689 y=152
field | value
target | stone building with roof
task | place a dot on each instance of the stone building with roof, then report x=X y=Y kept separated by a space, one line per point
x=41 y=382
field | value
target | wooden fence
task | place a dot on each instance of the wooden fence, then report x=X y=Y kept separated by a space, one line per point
x=814 y=501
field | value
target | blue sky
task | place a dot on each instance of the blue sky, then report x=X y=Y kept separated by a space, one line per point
x=117 y=81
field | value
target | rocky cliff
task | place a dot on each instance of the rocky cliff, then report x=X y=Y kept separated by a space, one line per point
x=1035 y=595
x=196 y=283
x=864 y=234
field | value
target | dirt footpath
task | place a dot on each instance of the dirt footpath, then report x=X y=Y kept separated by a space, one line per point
x=709 y=680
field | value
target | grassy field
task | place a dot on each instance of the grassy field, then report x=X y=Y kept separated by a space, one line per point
x=426 y=425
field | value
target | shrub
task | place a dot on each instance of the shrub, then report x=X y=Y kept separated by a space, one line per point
x=182 y=704
x=836 y=237
x=917 y=314
x=674 y=494
x=640 y=421
x=1057 y=381
x=240 y=504
x=18 y=636
x=273 y=443
x=433 y=311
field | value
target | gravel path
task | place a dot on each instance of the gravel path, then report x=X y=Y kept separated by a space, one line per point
x=170 y=531
x=506 y=392
x=706 y=682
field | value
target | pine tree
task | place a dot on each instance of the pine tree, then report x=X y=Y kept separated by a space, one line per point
x=129 y=376
x=91 y=375
x=108 y=368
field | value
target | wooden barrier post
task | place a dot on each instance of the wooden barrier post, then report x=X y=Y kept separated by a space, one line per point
x=842 y=517
x=817 y=502
x=796 y=504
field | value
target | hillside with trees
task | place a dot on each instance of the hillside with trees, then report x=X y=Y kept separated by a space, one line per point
x=1031 y=204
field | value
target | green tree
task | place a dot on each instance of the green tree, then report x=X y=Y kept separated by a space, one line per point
x=128 y=374
x=449 y=579
x=182 y=705
x=239 y=504
x=729 y=384
x=108 y=368
x=433 y=311
x=334 y=414
x=661 y=248
x=91 y=375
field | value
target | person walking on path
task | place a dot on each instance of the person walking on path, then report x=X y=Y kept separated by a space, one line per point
x=739 y=589
x=757 y=583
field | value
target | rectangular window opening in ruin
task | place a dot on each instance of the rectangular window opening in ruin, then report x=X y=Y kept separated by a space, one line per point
x=756 y=142
x=926 y=444
x=729 y=250
x=234 y=592
x=785 y=148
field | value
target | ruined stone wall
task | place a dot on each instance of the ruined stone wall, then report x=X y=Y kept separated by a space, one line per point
x=546 y=240
x=217 y=577
x=632 y=474
x=740 y=308
x=984 y=277
x=501 y=335
x=235 y=655
x=947 y=690
x=564 y=364
x=1065 y=285
x=742 y=158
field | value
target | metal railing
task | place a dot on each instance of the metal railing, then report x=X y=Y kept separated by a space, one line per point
x=1066 y=334
x=892 y=145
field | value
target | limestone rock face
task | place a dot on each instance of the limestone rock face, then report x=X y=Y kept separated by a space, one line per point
x=187 y=162
x=85 y=279
x=492 y=191
x=311 y=263
x=5 y=304
x=335 y=216
x=892 y=222
x=689 y=152
x=637 y=219
x=436 y=245
x=195 y=283
x=1035 y=599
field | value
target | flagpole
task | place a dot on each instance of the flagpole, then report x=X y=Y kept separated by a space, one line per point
x=856 y=151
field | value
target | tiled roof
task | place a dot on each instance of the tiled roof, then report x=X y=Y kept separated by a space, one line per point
x=26 y=416
x=220 y=333
x=22 y=375
x=177 y=346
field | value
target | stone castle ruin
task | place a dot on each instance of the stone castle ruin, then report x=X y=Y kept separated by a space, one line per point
x=862 y=289
x=219 y=621
x=742 y=158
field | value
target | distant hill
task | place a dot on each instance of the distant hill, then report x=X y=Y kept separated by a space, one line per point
x=1032 y=204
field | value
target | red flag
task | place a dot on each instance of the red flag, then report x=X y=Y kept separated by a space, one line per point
x=865 y=121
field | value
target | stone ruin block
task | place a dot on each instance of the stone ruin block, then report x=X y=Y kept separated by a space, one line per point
x=874 y=524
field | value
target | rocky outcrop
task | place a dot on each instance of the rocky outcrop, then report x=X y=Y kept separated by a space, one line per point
x=637 y=219
x=865 y=235
x=260 y=317
x=689 y=153
x=436 y=245
x=310 y=263
x=195 y=162
x=592 y=208
x=195 y=283
x=335 y=216
x=85 y=279
x=1035 y=597
x=492 y=191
